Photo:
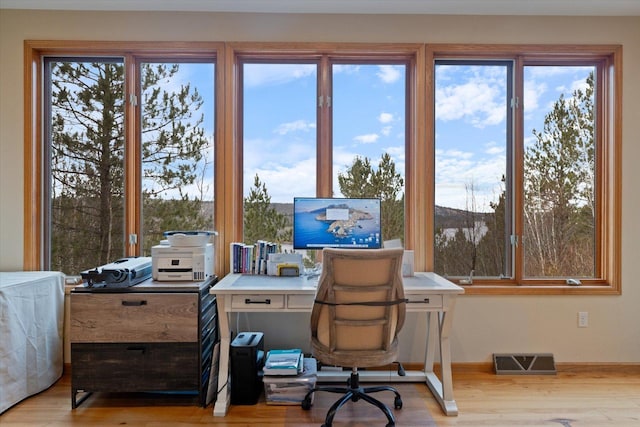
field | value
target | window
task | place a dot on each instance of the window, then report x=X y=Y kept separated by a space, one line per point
x=341 y=135
x=524 y=183
x=369 y=137
x=500 y=163
x=278 y=144
x=127 y=153
x=472 y=144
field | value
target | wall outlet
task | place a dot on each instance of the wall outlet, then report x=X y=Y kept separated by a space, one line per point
x=583 y=319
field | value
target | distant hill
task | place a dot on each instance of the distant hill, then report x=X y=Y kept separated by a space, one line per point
x=444 y=217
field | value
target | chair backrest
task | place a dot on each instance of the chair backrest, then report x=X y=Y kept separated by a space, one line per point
x=359 y=307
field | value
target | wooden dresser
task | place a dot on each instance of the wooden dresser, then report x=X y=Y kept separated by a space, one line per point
x=155 y=336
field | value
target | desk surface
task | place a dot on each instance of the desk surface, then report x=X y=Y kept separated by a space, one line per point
x=421 y=282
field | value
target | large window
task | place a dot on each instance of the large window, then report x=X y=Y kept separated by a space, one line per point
x=523 y=180
x=321 y=125
x=499 y=165
x=128 y=154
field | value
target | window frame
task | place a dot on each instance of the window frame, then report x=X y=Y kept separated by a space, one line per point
x=325 y=55
x=608 y=163
x=133 y=54
x=419 y=114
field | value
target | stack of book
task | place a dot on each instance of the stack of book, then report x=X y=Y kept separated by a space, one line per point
x=284 y=362
x=251 y=259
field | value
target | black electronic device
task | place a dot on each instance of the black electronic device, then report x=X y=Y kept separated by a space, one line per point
x=247 y=360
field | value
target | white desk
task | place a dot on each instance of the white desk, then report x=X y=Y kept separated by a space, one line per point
x=426 y=292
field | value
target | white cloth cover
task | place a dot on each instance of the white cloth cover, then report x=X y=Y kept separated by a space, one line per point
x=31 y=333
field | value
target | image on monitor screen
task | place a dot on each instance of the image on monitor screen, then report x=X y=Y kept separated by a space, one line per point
x=336 y=222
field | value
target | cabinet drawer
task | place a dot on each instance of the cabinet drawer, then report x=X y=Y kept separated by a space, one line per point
x=134 y=317
x=300 y=301
x=420 y=302
x=258 y=302
x=134 y=367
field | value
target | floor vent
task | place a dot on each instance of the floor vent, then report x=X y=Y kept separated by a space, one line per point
x=524 y=364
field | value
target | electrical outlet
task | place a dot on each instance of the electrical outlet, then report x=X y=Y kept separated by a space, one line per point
x=583 y=319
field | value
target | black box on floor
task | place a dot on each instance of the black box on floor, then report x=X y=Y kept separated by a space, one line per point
x=247 y=359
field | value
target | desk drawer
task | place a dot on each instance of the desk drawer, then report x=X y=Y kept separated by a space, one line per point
x=258 y=302
x=422 y=302
x=300 y=301
x=134 y=317
x=134 y=366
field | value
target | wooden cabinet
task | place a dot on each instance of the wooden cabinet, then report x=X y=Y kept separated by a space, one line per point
x=155 y=336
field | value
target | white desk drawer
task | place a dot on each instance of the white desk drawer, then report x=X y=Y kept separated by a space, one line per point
x=258 y=302
x=300 y=301
x=421 y=302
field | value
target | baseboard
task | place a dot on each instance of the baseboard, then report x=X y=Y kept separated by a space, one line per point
x=561 y=367
x=487 y=367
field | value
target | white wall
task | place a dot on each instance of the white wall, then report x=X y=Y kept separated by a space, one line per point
x=483 y=324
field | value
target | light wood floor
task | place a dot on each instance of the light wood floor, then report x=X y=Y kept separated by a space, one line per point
x=577 y=396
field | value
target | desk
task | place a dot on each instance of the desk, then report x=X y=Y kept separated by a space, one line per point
x=426 y=292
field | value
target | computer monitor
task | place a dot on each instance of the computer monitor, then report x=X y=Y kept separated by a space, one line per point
x=336 y=223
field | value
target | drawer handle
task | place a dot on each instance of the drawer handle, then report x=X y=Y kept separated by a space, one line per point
x=249 y=301
x=134 y=303
x=139 y=350
x=424 y=301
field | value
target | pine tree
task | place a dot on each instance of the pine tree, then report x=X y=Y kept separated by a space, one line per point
x=559 y=190
x=385 y=183
x=87 y=157
x=261 y=220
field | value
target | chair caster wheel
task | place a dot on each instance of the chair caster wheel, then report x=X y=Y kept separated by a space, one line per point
x=397 y=403
x=391 y=425
x=306 y=404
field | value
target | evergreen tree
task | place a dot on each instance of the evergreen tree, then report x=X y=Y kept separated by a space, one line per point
x=87 y=157
x=362 y=180
x=261 y=220
x=559 y=190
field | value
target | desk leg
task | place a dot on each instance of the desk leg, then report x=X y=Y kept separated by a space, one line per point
x=439 y=328
x=222 y=401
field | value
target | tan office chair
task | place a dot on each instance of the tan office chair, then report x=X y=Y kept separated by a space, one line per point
x=358 y=311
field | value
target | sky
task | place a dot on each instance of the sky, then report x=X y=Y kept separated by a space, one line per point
x=279 y=117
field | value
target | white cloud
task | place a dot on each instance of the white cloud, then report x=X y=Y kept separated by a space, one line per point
x=284 y=182
x=389 y=73
x=385 y=118
x=493 y=149
x=298 y=125
x=478 y=102
x=369 y=138
x=386 y=130
x=271 y=74
x=533 y=91
x=458 y=173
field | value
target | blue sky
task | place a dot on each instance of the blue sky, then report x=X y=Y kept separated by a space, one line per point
x=368 y=120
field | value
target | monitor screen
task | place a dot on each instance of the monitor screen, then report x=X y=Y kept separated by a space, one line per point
x=336 y=222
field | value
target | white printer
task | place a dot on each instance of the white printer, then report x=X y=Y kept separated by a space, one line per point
x=184 y=256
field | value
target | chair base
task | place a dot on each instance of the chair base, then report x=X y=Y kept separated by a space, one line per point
x=354 y=393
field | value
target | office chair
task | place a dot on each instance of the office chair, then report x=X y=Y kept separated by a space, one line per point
x=357 y=314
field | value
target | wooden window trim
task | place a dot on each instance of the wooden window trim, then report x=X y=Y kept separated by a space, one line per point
x=34 y=53
x=419 y=190
x=609 y=167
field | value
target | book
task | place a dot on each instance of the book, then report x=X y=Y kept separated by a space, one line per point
x=284 y=362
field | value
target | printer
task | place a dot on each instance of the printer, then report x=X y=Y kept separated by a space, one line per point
x=184 y=256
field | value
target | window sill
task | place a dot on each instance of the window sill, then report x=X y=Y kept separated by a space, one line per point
x=482 y=289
